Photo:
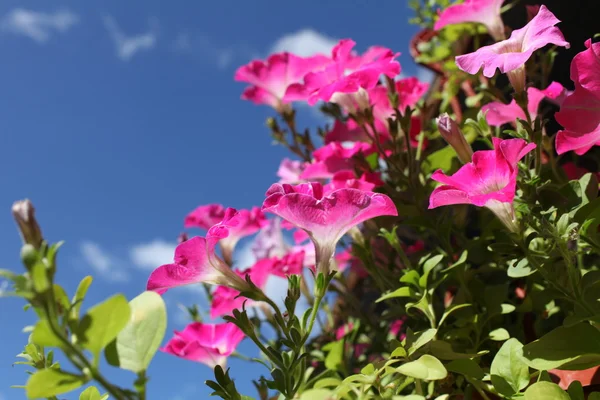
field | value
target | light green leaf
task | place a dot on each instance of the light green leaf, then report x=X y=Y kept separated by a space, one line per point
x=42 y=335
x=80 y=293
x=52 y=382
x=335 y=356
x=509 y=372
x=444 y=351
x=545 y=390
x=317 y=394
x=426 y=367
x=450 y=310
x=405 y=291
x=411 y=277
x=594 y=396
x=466 y=367
x=573 y=348
x=420 y=339
x=499 y=335
x=428 y=266
x=137 y=343
x=39 y=277
x=102 y=323
x=90 y=393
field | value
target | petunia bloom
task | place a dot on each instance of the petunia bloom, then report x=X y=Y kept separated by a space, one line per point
x=290 y=170
x=498 y=114
x=452 y=134
x=208 y=344
x=345 y=80
x=332 y=158
x=269 y=241
x=580 y=112
x=509 y=56
x=204 y=217
x=486 y=12
x=348 y=179
x=270 y=80
x=243 y=223
x=325 y=218
x=490 y=180
x=196 y=261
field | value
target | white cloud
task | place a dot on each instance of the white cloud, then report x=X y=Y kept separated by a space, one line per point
x=306 y=42
x=152 y=254
x=221 y=56
x=128 y=46
x=38 y=26
x=103 y=263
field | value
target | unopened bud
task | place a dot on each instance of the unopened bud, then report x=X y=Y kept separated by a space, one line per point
x=24 y=214
x=183 y=237
x=452 y=134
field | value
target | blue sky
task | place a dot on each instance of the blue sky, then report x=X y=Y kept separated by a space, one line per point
x=119 y=117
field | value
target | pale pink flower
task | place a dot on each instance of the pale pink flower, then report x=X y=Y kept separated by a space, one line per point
x=325 y=218
x=490 y=180
x=290 y=170
x=196 y=261
x=204 y=217
x=240 y=225
x=348 y=179
x=452 y=134
x=409 y=90
x=486 y=12
x=509 y=56
x=498 y=114
x=345 y=80
x=208 y=344
x=332 y=158
x=269 y=241
x=580 y=112
x=226 y=299
x=271 y=79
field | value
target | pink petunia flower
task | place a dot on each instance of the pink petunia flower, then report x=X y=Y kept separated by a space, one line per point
x=208 y=344
x=345 y=80
x=334 y=157
x=290 y=264
x=490 y=180
x=240 y=225
x=348 y=179
x=325 y=218
x=290 y=170
x=409 y=90
x=509 y=56
x=269 y=241
x=498 y=114
x=204 y=217
x=270 y=80
x=226 y=299
x=486 y=12
x=196 y=261
x=580 y=112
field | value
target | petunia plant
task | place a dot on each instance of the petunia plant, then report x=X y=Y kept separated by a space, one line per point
x=436 y=240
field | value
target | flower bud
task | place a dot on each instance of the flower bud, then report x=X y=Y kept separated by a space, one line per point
x=24 y=214
x=452 y=134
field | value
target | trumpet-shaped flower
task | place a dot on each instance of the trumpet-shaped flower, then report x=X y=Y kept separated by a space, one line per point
x=208 y=344
x=580 y=112
x=497 y=113
x=510 y=55
x=490 y=180
x=347 y=179
x=289 y=171
x=325 y=218
x=243 y=223
x=269 y=241
x=204 y=217
x=271 y=79
x=332 y=158
x=347 y=77
x=196 y=261
x=486 y=12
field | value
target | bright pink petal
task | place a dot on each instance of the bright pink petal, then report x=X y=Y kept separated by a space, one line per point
x=204 y=217
x=486 y=12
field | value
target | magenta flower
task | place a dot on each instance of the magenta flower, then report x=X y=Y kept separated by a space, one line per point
x=226 y=299
x=347 y=77
x=490 y=180
x=325 y=218
x=290 y=264
x=290 y=170
x=580 y=112
x=498 y=114
x=486 y=12
x=349 y=131
x=409 y=90
x=242 y=224
x=196 y=261
x=204 y=217
x=208 y=344
x=509 y=56
x=270 y=80
x=348 y=179
x=332 y=158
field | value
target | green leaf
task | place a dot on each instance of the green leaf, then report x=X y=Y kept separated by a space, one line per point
x=444 y=351
x=42 y=335
x=594 y=396
x=102 y=323
x=420 y=339
x=317 y=394
x=80 y=293
x=466 y=367
x=411 y=277
x=520 y=269
x=405 y=291
x=335 y=356
x=428 y=266
x=499 y=335
x=450 y=310
x=137 y=343
x=509 y=372
x=575 y=391
x=52 y=382
x=39 y=277
x=572 y=348
x=426 y=367
x=90 y=393
x=545 y=390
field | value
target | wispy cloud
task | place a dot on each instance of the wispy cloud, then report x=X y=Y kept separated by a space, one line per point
x=106 y=265
x=38 y=26
x=208 y=49
x=306 y=42
x=153 y=254
x=128 y=46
